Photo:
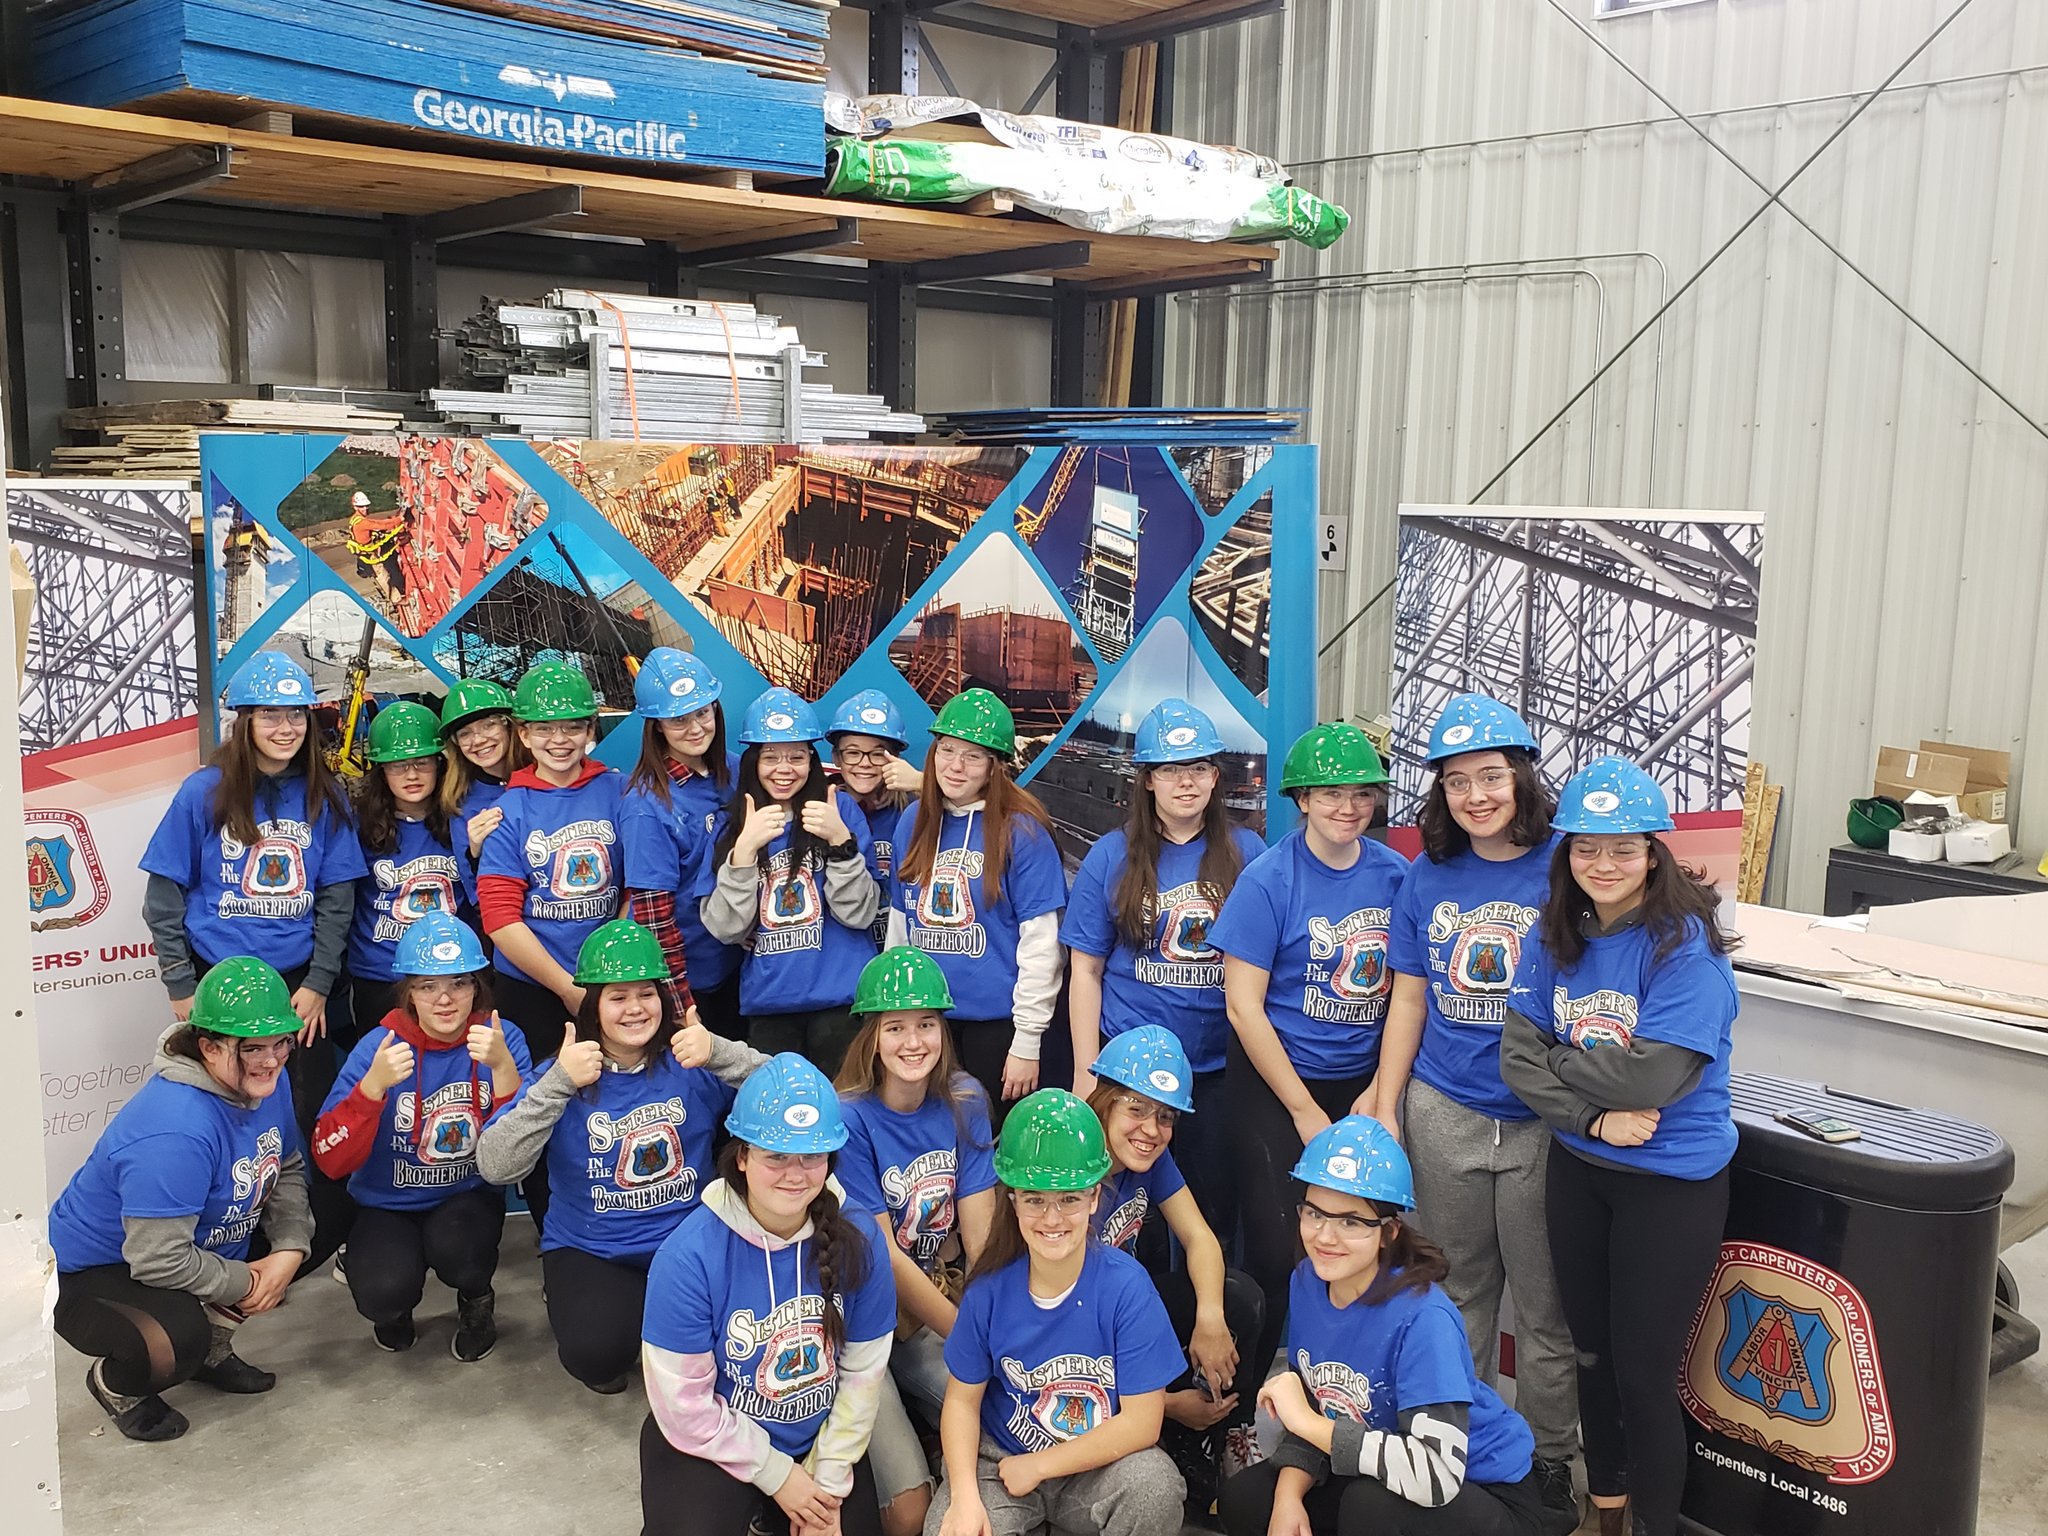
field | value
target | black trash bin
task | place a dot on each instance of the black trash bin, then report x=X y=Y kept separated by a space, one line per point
x=1836 y=1373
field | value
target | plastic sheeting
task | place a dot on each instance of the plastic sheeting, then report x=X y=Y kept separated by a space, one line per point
x=197 y=314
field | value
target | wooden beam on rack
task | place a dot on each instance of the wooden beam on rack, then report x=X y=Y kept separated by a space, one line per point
x=835 y=235
x=1060 y=256
x=522 y=210
x=160 y=177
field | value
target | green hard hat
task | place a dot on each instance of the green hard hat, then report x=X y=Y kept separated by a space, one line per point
x=554 y=690
x=621 y=950
x=899 y=980
x=244 y=997
x=1052 y=1141
x=980 y=717
x=470 y=697
x=404 y=731
x=1871 y=821
x=1332 y=754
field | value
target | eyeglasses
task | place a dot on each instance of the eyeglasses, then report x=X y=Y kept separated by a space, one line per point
x=477 y=730
x=780 y=1162
x=1341 y=797
x=443 y=986
x=556 y=730
x=853 y=757
x=1489 y=779
x=1349 y=1228
x=1184 y=773
x=785 y=759
x=265 y=1050
x=951 y=749
x=1036 y=1205
x=1589 y=851
x=1142 y=1110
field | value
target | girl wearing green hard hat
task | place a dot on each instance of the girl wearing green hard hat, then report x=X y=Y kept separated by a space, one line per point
x=190 y=1214
x=979 y=887
x=1305 y=982
x=481 y=750
x=1061 y=1355
x=625 y=1120
x=1388 y=1430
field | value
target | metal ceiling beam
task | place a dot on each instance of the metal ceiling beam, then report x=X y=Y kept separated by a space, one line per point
x=522 y=211
x=159 y=177
x=842 y=233
x=1058 y=256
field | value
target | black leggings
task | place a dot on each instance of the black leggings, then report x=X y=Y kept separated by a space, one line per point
x=1244 y=1314
x=1364 y=1506
x=983 y=1045
x=594 y=1308
x=718 y=1008
x=1633 y=1254
x=1202 y=1151
x=820 y=1035
x=541 y=1018
x=390 y=1252
x=1265 y=1147
x=686 y=1496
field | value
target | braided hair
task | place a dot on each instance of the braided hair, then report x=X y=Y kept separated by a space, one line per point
x=838 y=1249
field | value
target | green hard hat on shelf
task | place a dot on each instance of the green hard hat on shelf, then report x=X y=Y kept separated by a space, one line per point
x=243 y=997
x=470 y=697
x=1052 y=1141
x=980 y=717
x=1332 y=754
x=404 y=731
x=621 y=950
x=1871 y=821
x=553 y=690
x=901 y=979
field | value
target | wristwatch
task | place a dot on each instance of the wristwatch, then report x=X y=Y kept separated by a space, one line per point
x=850 y=849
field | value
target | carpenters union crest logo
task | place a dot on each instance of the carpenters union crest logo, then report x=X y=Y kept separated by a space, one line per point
x=67 y=888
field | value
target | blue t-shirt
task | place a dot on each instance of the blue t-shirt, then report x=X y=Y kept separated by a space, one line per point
x=1130 y=1197
x=950 y=917
x=630 y=1157
x=1460 y=926
x=423 y=875
x=175 y=1150
x=664 y=847
x=801 y=956
x=912 y=1168
x=425 y=1145
x=252 y=900
x=1374 y=1363
x=563 y=846
x=1620 y=992
x=1055 y=1373
x=712 y=1292
x=1178 y=980
x=1321 y=935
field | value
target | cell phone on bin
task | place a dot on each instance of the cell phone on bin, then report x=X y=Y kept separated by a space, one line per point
x=1819 y=1127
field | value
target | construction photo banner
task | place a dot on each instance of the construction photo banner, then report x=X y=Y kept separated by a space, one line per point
x=1082 y=584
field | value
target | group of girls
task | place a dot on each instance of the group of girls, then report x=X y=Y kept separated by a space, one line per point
x=920 y=1243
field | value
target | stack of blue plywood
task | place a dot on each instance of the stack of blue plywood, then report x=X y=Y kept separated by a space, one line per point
x=657 y=84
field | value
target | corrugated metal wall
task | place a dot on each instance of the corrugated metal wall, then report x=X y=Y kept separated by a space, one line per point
x=1523 y=207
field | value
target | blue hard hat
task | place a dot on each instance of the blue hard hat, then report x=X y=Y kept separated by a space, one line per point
x=1472 y=722
x=1176 y=732
x=1151 y=1061
x=779 y=715
x=438 y=944
x=787 y=1105
x=1611 y=794
x=1358 y=1156
x=870 y=712
x=270 y=678
x=672 y=684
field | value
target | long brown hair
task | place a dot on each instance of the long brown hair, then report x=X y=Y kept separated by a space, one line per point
x=1675 y=899
x=1408 y=1260
x=860 y=1074
x=1005 y=1243
x=805 y=848
x=459 y=777
x=838 y=1248
x=234 y=799
x=1004 y=799
x=1443 y=838
x=651 y=772
x=377 y=811
x=1135 y=906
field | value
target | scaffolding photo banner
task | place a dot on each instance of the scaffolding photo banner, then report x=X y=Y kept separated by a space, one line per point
x=1080 y=583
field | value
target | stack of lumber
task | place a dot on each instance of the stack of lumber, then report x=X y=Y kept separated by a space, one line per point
x=160 y=441
x=668 y=84
x=1759 y=827
x=1171 y=428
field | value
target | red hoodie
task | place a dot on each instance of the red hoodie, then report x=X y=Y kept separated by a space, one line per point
x=345 y=1135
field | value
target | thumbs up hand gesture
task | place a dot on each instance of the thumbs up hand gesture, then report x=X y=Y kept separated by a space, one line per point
x=487 y=1047
x=763 y=825
x=823 y=821
x=582 y=1060
x=692 y=1043
x=391 y=1066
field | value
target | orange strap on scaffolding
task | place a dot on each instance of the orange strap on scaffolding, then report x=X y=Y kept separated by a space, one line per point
x=732 y=362
x=626 y=346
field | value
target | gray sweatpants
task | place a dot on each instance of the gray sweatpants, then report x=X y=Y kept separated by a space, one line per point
x=1479 y=1196
x=1140 y=1495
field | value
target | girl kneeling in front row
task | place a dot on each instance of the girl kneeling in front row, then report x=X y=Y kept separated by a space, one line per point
x=1060 y=1357
x=1389 y=1430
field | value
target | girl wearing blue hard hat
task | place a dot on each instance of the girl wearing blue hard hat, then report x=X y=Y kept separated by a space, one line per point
x=788 y=878
x=1143 y=1096
x=673 y=798
x=766 y=1335
x=1305 y=980
x=1388 y=1431
x=978 y=887
x=868 y=737
x=1622 y=1012
x=401 y=1125
x=257 y=856
x=1137 y=928
x=1460 y=926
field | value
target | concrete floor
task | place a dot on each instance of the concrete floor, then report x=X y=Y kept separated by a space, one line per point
x=420 y=1442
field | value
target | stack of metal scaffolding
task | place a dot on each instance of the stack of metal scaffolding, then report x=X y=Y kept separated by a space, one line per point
x=618 y=365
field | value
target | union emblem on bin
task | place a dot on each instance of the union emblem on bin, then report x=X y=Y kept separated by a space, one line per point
x=1783 y=1357
x=67 y=888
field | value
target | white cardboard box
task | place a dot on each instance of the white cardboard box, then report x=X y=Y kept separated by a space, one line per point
x=1978 y=842
x=1920 y=847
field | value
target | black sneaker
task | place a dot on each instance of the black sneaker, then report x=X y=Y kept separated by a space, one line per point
x=476 y=1329
x=610 y=1388
x=234 y=1374
x=396 y=1337
x=1560 y=1499
x=147 y=1418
